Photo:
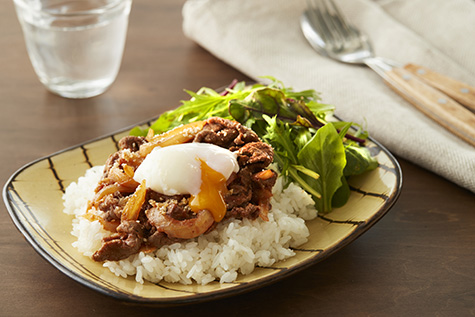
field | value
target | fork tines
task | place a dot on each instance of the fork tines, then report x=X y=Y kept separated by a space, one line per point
x=330 y=22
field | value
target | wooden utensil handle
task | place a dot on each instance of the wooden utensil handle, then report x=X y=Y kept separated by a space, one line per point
x=461 y=92
x=433 y=103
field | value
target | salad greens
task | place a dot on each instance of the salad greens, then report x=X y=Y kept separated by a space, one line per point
x=310 y=150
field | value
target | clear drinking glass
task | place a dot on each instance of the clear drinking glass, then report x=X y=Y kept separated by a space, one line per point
x=75 y=46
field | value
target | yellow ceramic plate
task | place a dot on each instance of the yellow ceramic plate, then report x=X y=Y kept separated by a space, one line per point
x=33 y=196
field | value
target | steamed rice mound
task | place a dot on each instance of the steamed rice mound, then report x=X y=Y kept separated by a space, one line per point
x=233 y=247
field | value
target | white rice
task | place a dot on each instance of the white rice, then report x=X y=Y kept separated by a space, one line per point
x=234 y=247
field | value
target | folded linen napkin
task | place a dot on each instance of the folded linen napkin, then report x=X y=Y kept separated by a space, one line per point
x=263 y=38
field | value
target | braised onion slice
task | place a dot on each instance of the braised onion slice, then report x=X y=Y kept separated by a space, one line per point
x=134 y=203
x=178 y=135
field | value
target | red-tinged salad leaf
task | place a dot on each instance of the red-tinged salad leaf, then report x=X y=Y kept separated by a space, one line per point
x=317 y=153
x=272 y=102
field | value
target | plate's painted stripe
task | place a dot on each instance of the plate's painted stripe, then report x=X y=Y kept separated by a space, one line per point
x=116 y=143
x=55 y=174
x=86 y=156
x=346 y=222
x=159 y=284
x=390 y=169
x=383 y=196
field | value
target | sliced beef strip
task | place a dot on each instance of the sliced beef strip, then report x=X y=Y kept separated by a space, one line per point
x=248 y=193
x=257 y=154
x=132 y=143
x=127 y=241
x=225 y=133
x=179 y=211
x=262 y=189
x=177 y=206
x=111 y=160
x=159 y=239
x=249 y=211
x=112 y=206
x=266 y=183
x=239 y=190
x=160 y=198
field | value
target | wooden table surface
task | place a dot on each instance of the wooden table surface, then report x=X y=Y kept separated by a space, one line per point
x=419 y=260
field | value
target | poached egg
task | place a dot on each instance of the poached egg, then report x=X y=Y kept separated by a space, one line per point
x=198 y=169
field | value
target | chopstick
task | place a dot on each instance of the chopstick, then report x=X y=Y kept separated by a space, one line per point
x=459 y=91
x=433 y=103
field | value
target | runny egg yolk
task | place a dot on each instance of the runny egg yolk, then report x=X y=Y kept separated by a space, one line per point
x=212 y=189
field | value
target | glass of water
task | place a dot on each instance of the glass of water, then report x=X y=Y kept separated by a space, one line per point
x=75 y=46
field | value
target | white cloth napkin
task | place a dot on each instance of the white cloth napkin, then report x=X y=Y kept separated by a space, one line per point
x=263 y=37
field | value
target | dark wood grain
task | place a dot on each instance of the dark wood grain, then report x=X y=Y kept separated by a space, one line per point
x=417 y=261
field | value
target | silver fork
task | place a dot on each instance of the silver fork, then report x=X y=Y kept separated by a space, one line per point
x=331 y=35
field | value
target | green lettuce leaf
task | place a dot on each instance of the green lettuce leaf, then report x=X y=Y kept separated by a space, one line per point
x=359 y=160
x=324 y=154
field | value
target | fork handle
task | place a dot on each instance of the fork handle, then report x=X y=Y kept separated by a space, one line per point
x=459 y=91
x=433 y=103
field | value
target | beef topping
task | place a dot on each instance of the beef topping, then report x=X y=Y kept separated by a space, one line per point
x=248 y=195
